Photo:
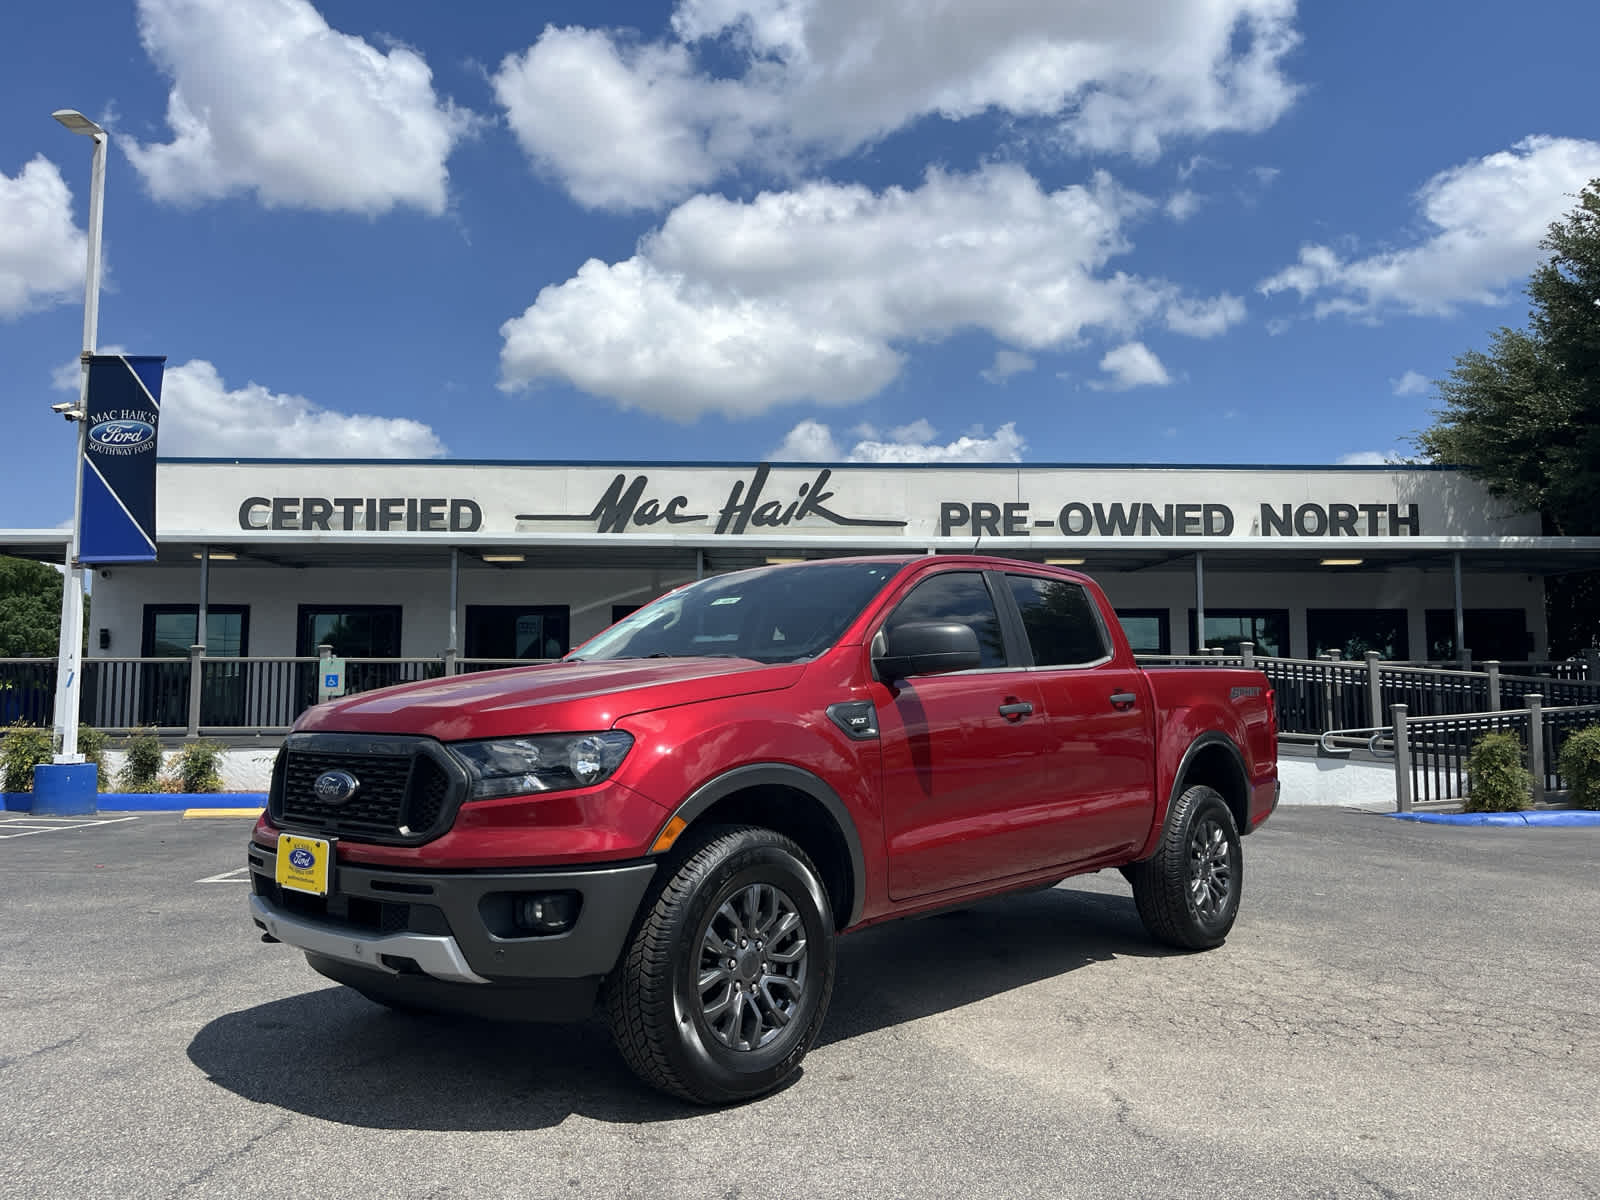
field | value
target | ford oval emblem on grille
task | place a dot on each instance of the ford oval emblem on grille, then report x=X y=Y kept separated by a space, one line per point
x=335 y=787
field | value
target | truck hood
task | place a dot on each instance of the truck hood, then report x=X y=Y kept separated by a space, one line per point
x=555 y=697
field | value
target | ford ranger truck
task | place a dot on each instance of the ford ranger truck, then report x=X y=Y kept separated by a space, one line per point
x=677 y=821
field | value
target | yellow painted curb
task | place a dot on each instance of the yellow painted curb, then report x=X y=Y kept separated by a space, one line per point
x=221 y=812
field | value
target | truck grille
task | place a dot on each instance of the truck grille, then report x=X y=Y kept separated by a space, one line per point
x=407 y=787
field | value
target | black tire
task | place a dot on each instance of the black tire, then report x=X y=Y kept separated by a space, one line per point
x=687 y=1021
x=1188 y=892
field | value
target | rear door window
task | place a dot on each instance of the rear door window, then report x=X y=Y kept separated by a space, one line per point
x=1063 y=628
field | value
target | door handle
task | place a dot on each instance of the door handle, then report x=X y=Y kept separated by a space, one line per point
x=1016 y=709
x=1122 y=701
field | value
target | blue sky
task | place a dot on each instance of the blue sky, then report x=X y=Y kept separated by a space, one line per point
x=1223 y=231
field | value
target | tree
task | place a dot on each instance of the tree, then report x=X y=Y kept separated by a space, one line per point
x=1525 y=417
x=30 y=608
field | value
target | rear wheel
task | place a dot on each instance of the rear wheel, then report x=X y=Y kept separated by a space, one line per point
x=1188 y=892
x=724 y=985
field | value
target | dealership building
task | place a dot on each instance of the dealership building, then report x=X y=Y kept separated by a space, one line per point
x=524 y=560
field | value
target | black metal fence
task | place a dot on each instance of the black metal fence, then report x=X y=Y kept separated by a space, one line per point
x=1430 y=754
x=1316 y=695
x=235 y=694
x=267 y=694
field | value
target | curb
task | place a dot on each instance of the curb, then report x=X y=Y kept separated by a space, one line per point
x=1566 y=818
x=210 y=804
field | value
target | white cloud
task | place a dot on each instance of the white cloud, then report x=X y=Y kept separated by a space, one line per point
x=1183 y=204
x=202 y=417
x=1131 y=365
x=42 y=253
x=1204 y=318
x=1485 y=220
x=629 y=124
x=267 y=98
x=1006 y=364
x=624 y=126
x=804 y=296
x=1368 y=458
x=1412 y=383
x=812 y=441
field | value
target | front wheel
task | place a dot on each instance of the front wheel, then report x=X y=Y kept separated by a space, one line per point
x=1188 y=892
x=726 y=981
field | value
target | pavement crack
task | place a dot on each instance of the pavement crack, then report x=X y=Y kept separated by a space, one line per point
x=14 y=1059
x=240 y=1152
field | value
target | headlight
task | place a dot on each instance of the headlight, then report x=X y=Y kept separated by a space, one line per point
x=548 y=763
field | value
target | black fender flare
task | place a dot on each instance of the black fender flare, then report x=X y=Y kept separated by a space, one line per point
x=1205 y=741
x=798 y=779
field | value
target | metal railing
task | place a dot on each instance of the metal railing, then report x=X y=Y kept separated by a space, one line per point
x=1430 y=753
x=265 y=694
x=1314 y=695
x=204 y=695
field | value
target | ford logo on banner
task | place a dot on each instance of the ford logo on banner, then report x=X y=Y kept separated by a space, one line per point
x=110 y=434
x=335 y=787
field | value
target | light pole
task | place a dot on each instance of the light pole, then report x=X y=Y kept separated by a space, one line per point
x=70 y=665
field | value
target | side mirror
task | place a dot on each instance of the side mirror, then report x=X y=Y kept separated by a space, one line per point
x=925 y=648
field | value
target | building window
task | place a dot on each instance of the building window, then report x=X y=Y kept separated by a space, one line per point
x=517 y=631
x=1228 y=628
x=1351 y=632
x=353 y=630
x=1149 y=630
x=618 y=611
x=1062 y=626
x=1492 y=633
x=170 y=629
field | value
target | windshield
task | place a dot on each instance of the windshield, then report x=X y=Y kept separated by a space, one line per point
x=773 y=615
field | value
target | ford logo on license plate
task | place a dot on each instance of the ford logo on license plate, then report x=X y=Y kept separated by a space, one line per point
x=335 y=787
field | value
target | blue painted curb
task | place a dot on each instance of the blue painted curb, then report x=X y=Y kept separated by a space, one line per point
x=1562 y=817
x=149 y=801
x=178 y=801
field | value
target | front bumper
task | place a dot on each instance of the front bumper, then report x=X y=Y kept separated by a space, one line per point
x=450 y=925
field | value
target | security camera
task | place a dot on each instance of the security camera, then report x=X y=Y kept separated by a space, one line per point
x=63 y=406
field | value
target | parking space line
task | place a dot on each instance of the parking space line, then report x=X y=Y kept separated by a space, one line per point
x=252 y=813
x=237 y=875
x=27 y=826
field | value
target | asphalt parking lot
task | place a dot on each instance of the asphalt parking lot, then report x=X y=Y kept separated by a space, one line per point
x=1402 y=1010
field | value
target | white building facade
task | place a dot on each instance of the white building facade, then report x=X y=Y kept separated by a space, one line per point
x=504 y=560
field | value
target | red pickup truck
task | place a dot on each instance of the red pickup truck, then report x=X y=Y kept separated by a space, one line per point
x=681 y=817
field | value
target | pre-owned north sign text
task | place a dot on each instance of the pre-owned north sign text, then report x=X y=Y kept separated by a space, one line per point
x=1140 y=519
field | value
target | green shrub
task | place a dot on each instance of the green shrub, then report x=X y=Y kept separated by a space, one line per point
x=1496 y=779
x=22 y=748
x=1580 y=767
x=197 y=767
x=143 y=767
x=92 y=745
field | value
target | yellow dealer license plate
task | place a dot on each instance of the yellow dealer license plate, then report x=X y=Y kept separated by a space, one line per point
x=304 y=864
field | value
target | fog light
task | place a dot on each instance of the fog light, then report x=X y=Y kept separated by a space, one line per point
x=546 y=912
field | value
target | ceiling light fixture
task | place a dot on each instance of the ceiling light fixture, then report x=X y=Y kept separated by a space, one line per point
x=1064 y=562
x=499 y=558
x=1343 y=562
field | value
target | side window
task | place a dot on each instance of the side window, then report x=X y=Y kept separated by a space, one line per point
x=1060 y=620
x=961 y=597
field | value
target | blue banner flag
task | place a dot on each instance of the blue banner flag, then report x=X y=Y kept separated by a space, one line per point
x=119 y=463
